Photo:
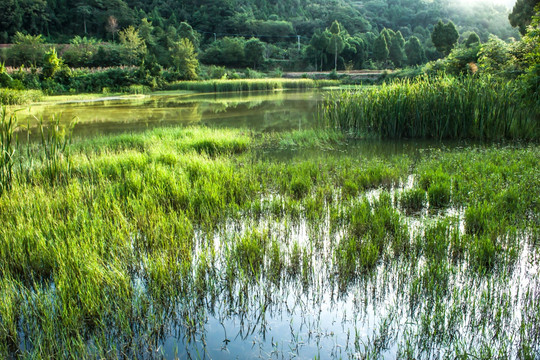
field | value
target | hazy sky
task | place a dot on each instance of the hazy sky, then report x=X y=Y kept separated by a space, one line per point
x=507 y=3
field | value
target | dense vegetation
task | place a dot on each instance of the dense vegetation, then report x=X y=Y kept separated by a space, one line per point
x=124 y=253
x=239 y=33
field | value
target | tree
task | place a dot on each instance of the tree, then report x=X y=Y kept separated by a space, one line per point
x=184 y=59
x=112 y=25
x=186 y=31
x=52 y=64
x=255 y=51
x=319 y=42
x=336 y=43
x=134 y=47
x=396 y=51
x=494 y=56
x=26 y=50
x=472 y=39
x=522 y=13
x=414 y=51
x=444 y=37
x=380 y=49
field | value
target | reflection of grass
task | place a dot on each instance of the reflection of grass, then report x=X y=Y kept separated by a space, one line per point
x=148 y=233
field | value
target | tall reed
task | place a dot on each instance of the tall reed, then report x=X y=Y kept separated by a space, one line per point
x=239 y=85
x=439 y=108
x=19 y=97
x=8 y=143
x=55 y=141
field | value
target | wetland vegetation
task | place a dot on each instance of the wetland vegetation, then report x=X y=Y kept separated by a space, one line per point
x=200 y=242
x=240 y=214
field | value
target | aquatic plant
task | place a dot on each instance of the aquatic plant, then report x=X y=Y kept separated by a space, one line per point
x=439 y=108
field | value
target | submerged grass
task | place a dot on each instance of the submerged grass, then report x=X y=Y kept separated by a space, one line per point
x=437 y=108
x=151 y=232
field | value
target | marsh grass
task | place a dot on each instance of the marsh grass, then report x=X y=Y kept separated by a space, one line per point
x=438 y=108
x=147 y=236
x=19 y=97
x=241 y=85
x=8 y=144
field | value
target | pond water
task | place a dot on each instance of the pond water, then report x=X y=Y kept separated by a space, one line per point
x=258 y=111
x=384 y=314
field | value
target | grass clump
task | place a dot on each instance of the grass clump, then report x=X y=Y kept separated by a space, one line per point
x=437 y=108
x=413 y=200
x=19 y=97
x=240 y=85
x=439 y=194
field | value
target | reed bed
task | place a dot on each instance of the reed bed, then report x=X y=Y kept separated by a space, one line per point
x=19 y=97
x=240 y=85
x=148 y=236
x=437 y=108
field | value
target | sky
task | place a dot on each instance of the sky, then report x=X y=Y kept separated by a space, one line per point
x=508 y=3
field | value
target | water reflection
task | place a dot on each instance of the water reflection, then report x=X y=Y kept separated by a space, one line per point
x=259 y=111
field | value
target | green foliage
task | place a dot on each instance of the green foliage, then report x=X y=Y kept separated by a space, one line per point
x=26 y=50
x=8 y=139
x=396 y=50
x=134 y=47
x=413 y=199
x=380 y=49
x=440 y=108
x=494 y=56
x=254 y=50
x=227 y=51
x=19 y=97
x=444 y=37
x=185 y=60
x=472 y=39
x=414 y=51
x=335 y=42
x=531 y=78
x=522 y=14
x=52 y=64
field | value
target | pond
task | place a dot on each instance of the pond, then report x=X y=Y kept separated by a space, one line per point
x=257 y=111
x=360 y=250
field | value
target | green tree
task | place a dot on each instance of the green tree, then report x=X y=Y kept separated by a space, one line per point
x=531 y=78
x=522 y=13
x=414 y=51
x=380 y=49
x=185 y=31
x=254 y=51
x=444 y=37
x=26 y=50
x=52 y=64
x=134 y=47
x=319 y=42
x=335 y=43
x=396 y=52
x=184 y=59
x=494 y=56
x=473 y=38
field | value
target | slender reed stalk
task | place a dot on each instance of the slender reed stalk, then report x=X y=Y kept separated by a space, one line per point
x=8 y=143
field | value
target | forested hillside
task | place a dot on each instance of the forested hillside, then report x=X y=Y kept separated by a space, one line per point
x=301 y=35
x=275 y=22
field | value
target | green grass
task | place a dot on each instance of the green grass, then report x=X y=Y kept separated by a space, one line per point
x=148 y=233
x=437 y=108
x=249 y=85
x=19 y=97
